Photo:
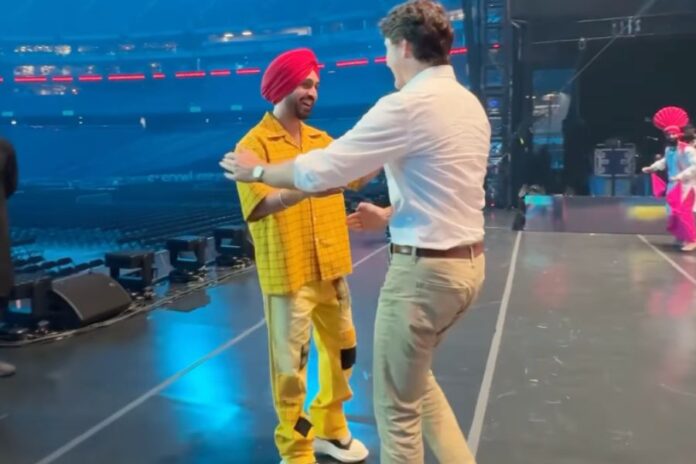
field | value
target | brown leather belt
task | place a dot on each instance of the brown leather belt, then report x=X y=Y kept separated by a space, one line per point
x=460 y=252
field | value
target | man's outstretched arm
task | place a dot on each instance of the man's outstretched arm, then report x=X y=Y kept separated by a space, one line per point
x=380 y=136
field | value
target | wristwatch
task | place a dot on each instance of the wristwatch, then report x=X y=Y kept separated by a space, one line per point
x=257 y=173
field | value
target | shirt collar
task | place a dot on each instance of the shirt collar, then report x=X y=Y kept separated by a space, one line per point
x=276 y=130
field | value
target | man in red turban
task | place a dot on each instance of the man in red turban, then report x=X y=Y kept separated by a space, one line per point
x=680 y=163
x=302 y=258
x=286 y=72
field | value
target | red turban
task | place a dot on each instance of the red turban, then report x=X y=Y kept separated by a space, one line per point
x=671 y=120
x=286 y=72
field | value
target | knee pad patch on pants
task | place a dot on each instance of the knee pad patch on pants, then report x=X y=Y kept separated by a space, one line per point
x=349 y=354
x=348 y=358
x=303 y=426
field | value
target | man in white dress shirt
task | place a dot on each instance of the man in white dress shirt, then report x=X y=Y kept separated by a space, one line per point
x=433 y=139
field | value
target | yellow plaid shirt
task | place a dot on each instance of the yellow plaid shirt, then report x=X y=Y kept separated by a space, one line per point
x=305 y=243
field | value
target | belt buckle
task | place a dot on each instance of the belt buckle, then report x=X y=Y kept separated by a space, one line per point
x=404 y=250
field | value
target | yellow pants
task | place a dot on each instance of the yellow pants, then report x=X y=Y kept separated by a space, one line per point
x=325 y=306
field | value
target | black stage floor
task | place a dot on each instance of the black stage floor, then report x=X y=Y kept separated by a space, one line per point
x=593 y=362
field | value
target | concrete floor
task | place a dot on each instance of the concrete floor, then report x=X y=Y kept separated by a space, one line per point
x=594 y=364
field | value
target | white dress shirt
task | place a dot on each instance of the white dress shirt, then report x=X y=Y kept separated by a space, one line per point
x=433 y=139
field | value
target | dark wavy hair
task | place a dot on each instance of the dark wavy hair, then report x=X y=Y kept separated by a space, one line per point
x=425 y=25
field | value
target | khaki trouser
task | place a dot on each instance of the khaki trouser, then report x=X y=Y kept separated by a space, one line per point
x=325 y=306
x=421 y=299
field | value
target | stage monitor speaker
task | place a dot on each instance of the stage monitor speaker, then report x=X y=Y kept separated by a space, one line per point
x=87 y=298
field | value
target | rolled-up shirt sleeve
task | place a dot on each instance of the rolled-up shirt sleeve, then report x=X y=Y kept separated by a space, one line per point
x=380 y=136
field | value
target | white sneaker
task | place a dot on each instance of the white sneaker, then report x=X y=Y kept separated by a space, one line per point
x=689 y=247
x=348 y=451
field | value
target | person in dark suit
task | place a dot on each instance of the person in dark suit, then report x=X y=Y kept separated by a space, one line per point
x=8 y=185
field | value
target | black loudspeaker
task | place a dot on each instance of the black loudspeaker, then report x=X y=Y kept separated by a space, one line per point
x=85 y=299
